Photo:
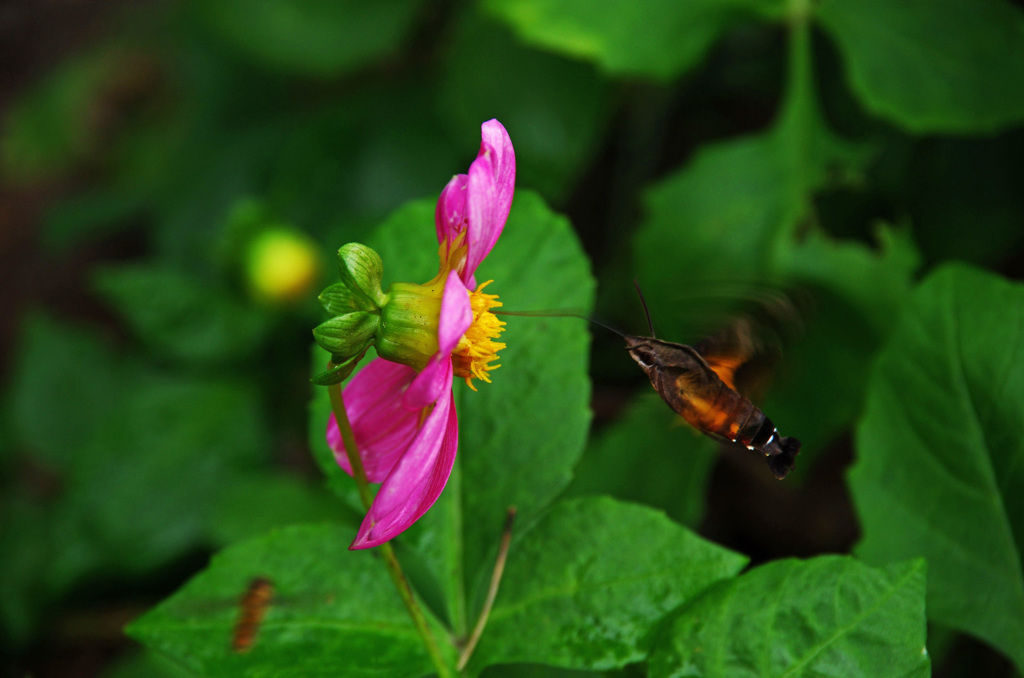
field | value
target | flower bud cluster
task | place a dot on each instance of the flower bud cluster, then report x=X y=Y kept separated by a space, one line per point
x=401 y=323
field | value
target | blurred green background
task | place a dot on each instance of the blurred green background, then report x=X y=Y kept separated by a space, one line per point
x=176 y=177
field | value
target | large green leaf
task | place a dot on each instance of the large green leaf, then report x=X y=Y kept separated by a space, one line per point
x=933 y=65
x=648 y=456
x=350 y=163
x=659 y=38
x=952 y=182
x=50 y=128
x=162 y=458
x=134 y=482
x=857 y=293
x=146 y=664
x=179 y=315
x=333 y=612
x=521 y=436
x=587 y=586
x=312 y=37
x=939 y=451
x=64 y=382
x=248 y=504
x=826 y=616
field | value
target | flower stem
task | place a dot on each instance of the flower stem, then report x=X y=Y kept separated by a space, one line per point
x=492 y=591
x=390 y=560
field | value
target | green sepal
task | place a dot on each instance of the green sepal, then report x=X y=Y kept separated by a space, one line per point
x=346 y=335
x=338 y=299
x=362 y=271
x=338 y=373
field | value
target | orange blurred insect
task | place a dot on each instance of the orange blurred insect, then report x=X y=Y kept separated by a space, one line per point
x=698 y=383
x=252 y=607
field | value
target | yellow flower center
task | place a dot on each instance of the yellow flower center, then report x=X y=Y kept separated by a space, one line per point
x=476 y=351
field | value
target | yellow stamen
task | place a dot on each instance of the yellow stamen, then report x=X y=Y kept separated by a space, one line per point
x=477 y=350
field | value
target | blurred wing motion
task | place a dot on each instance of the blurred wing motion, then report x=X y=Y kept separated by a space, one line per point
x=728 y=350
x=252 y=607
x=698 y=382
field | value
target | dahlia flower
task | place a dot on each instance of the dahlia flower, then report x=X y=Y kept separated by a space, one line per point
x=400 y=405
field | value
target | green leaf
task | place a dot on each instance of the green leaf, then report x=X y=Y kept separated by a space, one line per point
x=90 y=216
x=333 y=612
x=394 y=150
x=250 y=504
x=938 y=470
x=179 y=315
x=933 y=65
x=162 y=458
x=407 y=242
x=534 y=418
x=554 y=108
x=647 y=456
x=732 y=213
x=858 y=294
x=64 y=382
x=49 y=130
x=660 y=39
x=953 y=182
x=146 y=664
x=830 y=615
x=877 y=281
x=26 y=539
x=137 y=485
x=586 y=587
x=310 y=37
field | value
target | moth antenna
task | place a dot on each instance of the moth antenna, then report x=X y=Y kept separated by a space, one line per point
x=560 y=313
x=647 y=311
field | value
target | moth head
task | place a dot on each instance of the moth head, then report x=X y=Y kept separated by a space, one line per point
x=643 y=352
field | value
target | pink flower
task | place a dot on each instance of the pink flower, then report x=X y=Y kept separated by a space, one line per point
x=403 y=417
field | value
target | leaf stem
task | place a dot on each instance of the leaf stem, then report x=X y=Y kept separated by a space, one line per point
x=388 y=553
x=492 y=592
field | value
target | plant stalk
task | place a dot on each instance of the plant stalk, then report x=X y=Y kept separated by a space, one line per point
x=492 y=591
x=390 y=560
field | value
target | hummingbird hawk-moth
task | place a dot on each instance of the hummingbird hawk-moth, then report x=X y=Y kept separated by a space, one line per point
x=698 y=382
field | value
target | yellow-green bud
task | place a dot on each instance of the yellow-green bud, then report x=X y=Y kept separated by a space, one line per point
x=281 y=265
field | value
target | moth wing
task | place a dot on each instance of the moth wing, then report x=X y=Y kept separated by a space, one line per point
x=728 y=350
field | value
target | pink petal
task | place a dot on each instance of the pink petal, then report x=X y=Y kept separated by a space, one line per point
x=483 y=229
x=450 y=214
x=494 y=135
x=456 y=317
x=456 y=314
x=417 y=480
x=383 y=428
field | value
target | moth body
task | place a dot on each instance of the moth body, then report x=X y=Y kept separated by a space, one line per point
x=701 y=391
